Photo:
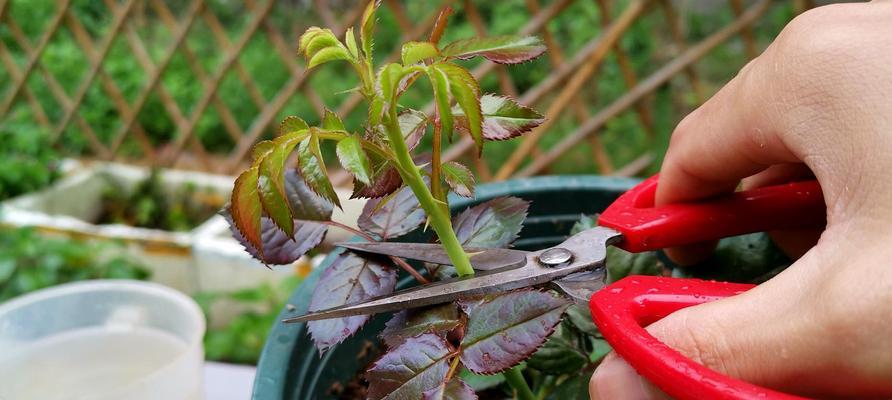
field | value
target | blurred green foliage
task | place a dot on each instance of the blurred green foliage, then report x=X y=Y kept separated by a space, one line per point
x=30 y=261
x=648 y=45
x=27 y=162
x=241 y=340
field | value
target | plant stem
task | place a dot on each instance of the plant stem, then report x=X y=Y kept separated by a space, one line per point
x=515 y=379
x=436 y=185
x=439 y=218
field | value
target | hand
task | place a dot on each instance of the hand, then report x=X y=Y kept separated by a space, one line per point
x=819 y=100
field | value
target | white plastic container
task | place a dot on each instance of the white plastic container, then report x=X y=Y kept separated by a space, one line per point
x=98 y=340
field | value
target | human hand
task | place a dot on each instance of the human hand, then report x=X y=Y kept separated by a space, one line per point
x=818 y=100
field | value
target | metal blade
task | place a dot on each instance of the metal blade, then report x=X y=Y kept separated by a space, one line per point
x=482 y=259
x=582 y=285
x=582 y=252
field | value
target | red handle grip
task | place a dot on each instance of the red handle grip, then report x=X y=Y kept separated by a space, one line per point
x=621 y=309
x=645 y=227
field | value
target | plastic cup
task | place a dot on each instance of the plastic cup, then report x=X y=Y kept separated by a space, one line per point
x=97 y=340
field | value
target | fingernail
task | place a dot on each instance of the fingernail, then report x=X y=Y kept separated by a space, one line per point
x=617 y=380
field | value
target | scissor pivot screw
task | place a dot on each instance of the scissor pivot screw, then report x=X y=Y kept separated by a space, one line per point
x=555 y=256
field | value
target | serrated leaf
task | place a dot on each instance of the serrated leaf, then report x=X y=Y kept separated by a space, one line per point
x=354 y=159
x=385 y=181
x=332 y=122
x=440 y=84
x=559 y=355
x=328 y=54
x=573 y=388
x=621 y=264
x=367 y=29
x=459 y=178
x=272 y=195
x=292 y=125
x=307 y=36
x=455 y=389
x=413 y=124
x=503 y=118
x=413 y=52
x=440 y=24
x=466 y=91
x=418 y=365
x=600 y=349
x=349 y=279
x=493 y=224
x=581 y=318
x=323 y=40
x=585 y=222
x=376 y=108
x=312 y=169
x=505 y=330
x=413 y=322
x=261 y=149
x=246 y=209
x=279 y=247
x=389 y=78
x=305 y=204
x=350 y=40
x=507 y=49
x=400 y=215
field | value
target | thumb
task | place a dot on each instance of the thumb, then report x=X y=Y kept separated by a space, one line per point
x=759 y=336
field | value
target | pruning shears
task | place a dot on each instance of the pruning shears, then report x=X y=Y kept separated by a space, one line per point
x=577 y=268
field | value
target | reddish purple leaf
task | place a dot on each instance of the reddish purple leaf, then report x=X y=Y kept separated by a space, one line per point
x=386 y=181
x=498 y=49
x=399 y=215
x=505 y=330
x=418 y=365
x=278 y=247
x=305 y=204
x=503 y=118
x=408 y=323
x=459 y=178
x=455 y=389
x=493 y=224
x=413 y=124
x=349 y=279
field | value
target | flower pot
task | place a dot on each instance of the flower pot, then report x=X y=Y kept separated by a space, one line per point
x=291 y=367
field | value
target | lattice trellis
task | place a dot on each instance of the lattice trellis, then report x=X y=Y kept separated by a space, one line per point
x=556 y=95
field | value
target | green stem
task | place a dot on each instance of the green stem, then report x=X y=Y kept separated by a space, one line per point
x=439 y=218
x=515 y=379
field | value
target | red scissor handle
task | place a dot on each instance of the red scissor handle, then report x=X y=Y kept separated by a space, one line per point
x=622 y=309
x=644 y=227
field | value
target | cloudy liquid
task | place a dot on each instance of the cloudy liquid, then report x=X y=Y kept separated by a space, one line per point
x=93 y=363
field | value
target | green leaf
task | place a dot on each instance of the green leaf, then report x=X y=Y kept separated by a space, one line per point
x=389 y=77
x=354 y=159
x=349 y=279
x=580 y=317
x=324 y=40
x=440 y=84
x=480 y=382
x=332 y=122
x=376 y=109
x=312 y=169
x=505 y=330
x=246 y=209
x=455 y=389
x=499 y=49
x=272 y=195
x=307 y=36
x=367 y=29
x=328 y=54
x=585 y=222
x=621 y=264
x=503 y=118
x=466 y=92
x=291 y=125
x=459 y=178
x=413 y=322
x=418 y=365
x=350 y=39
x=413 y=124
x=559 y=355
x=261 y=149
x=573 y=388
x=494 y=224
x=399 y=215
x=413 y=52
x=600 y=349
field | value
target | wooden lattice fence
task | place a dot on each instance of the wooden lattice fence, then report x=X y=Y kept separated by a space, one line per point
x=31 y=85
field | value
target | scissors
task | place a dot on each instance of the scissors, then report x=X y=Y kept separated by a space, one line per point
x=577 y=268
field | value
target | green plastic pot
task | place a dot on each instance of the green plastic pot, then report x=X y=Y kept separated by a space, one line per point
x=290 y=367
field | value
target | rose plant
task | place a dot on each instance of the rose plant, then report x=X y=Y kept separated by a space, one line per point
x=531 y=339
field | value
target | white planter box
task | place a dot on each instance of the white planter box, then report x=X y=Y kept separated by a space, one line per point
x=204 y=259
